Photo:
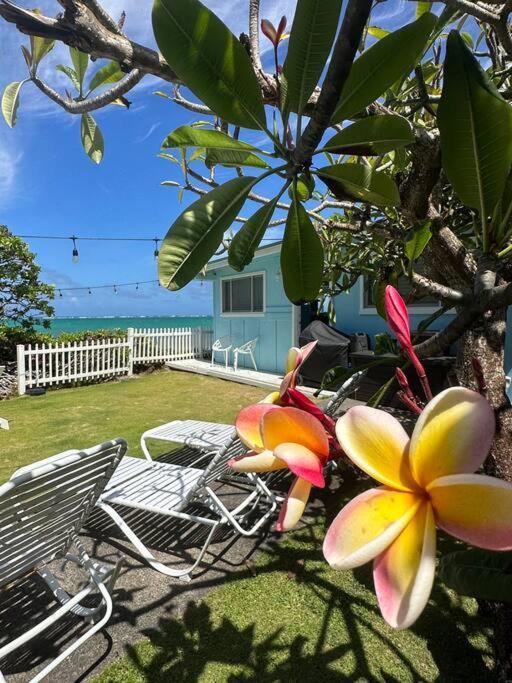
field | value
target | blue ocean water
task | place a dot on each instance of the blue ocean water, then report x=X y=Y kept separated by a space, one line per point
x=58 y=325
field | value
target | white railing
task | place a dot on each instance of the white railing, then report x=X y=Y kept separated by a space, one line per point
x=44 y=365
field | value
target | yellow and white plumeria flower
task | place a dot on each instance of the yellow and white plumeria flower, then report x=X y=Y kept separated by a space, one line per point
x=427 y=481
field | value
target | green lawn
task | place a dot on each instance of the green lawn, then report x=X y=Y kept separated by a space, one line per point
x=290 y=617
x=77 y=418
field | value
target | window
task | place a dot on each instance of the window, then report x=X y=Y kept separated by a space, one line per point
x=243 y=294
x=404 y=287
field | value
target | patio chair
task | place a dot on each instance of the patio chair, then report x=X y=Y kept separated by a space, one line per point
x=222 y=345
x=169 y=490
x=246 y=349
x=42 y=508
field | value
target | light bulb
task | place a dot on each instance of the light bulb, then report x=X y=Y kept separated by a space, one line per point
x=74 y=255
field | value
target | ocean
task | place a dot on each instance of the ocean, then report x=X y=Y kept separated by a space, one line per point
x=58 y=325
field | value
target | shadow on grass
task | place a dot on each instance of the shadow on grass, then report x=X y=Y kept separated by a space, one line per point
x=289 y=617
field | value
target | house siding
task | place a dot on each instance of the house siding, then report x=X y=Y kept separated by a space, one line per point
x=273 y=328
x=351 y=318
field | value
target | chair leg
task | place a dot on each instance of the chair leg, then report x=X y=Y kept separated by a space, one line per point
x=227 y=358
x=253 y=361
x=147 y=555
x=235 y=361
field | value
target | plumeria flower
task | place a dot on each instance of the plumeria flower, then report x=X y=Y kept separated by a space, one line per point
x=281 y=438
x=427 y=481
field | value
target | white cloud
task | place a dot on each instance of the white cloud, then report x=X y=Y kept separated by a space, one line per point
x=9 y=166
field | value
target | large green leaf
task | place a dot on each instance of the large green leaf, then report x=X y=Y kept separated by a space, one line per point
x=80 y=62
x=232 y=159
x=475 y=123
x=209 y=59
x=479 y=573
x=248 y=238
x=11 y=101
x=92 y=139
x=382 y=64
x=372 y=135
x=110 y=73
x=187 y=136
x=302 y=256
x=196 y=235
x=360 y=182
x=313 y=31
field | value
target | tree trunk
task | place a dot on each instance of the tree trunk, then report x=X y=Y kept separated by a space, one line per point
x=486 y=341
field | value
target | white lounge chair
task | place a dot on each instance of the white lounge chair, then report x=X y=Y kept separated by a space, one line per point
x=168 y=490
x=246 y=349
x=222 y=345
x=42 y=509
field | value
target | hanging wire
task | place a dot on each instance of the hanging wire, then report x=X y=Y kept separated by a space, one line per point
x=114 y=286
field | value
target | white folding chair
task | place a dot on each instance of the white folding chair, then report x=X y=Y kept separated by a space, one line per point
x=42 y=508
x=222 y=345
x=169 y=490
x=246 y=349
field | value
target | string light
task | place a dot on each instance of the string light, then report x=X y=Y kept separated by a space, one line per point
x=115 y=286
x=74 y=256
x=156 y=252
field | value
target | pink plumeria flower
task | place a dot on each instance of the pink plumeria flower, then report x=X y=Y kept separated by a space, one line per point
x=427 y=481
x=273 y=34
x=281 y=438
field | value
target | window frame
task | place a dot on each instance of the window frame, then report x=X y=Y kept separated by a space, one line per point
x=372 y=310
x=237 y=314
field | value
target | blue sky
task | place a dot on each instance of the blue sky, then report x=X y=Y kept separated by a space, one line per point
x=49 y=186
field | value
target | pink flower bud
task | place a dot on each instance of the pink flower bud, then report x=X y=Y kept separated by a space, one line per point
x=397 y=317
x=269 y=31
x=281 y=28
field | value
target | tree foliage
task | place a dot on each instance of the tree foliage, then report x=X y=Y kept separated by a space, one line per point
x=23 y=296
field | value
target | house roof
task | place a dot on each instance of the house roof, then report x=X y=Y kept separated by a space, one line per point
x=262 y=251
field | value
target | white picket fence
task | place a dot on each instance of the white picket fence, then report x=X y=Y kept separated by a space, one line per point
x=47 y=365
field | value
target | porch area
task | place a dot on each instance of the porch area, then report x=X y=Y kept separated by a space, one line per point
x=264 y=380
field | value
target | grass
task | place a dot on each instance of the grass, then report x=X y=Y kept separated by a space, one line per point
x=293 y=618
x=289 y=617
x=41 y=426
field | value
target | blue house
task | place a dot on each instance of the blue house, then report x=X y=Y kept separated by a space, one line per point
x=252 y=304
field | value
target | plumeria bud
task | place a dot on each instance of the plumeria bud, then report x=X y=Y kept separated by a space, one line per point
x=268 y=29
x=280 y=29
x=397 y=316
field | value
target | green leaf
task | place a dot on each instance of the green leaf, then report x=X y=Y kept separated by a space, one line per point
x=110 y=73
x=80 y=62
x=39 y=47
x=379 y=289
x=248 y=238
x=302 y=256
x=378 y=32
x=419 y=237
x=11 y=101
x=422 y=7
x=195 y=236
x=475 y=123
x=482 y=574
x=70 y=73
x=312 y=35
x=231 y=159
x=359 y=182
x=210 y=60
x=373 y=135
x=382 y=64
x=187 y=136
x=92 y=139
x=304 y=188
